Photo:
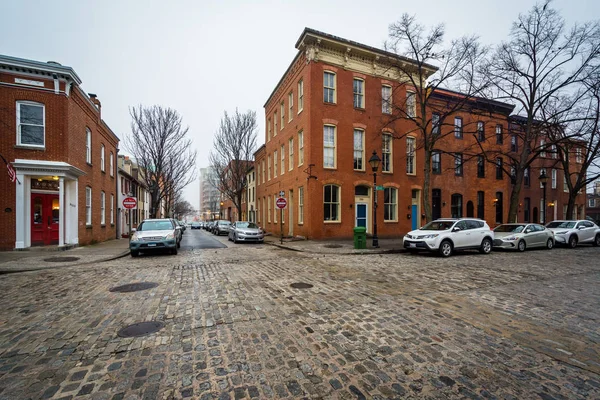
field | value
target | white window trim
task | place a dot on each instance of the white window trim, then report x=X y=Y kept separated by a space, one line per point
x=300 y=95
x=268 y=129
x=386 y=104
x=282 y=166
x=290 y=154
x=112 y=209
x=275 y=124
x=18 y=116
x=300 y=148
x=391 y=153
x=102 y=164
x=275 y=208
x=334 y=147
x=282 y=116
x=395 y=203
x=362 y=132
x=330 y=87
x=291 y=106
x=269 y=167
x=301 y=205
x=411 y=112
x=268 y=208
x=102 y=208
x=112 y=163
x=554 y=178
x=88 y=205
x=414 y=155
x=339 y=204
x=275 y=164
x=88 y=145
x=361 y=94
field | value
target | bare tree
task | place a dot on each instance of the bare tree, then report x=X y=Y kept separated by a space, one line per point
x=159 y=144
x=540 y=69
x=427 y=66
x=233 y=149
x=182 y=207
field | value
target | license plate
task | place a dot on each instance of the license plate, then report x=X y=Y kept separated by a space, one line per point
x=412 y=245
x=151 y=244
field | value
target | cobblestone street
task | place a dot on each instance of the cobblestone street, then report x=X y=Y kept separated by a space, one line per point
x=505 y=326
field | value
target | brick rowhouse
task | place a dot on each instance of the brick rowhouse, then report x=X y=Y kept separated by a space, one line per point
x=64 y=155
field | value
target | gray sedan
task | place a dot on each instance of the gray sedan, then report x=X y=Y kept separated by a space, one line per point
x=522 y=236
x=243 y=231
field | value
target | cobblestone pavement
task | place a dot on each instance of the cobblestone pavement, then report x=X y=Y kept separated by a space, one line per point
x=501 y=326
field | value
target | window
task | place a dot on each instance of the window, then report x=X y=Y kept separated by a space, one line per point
x=275 y=164
x=263 y=172
x=102 y=209
x=300 y=148
x=481 y=131
x=565 y=185
x=31 y=124
x=456 y=205
x=553 y=151
x=542 y=171
x=111 y=164
x=269 y=207
x=282 y=160
x=359 y=154
x=275 y=209
x=88 y=205
x=331 y=203
x=458 y=164
x=274 y=124
x=578 y=156
x=480 y=204
x=88 y=146
x=480 y=167
x=542 y=148
x=301 y=205
x=328 y=87
x=411 y=106
x=386 y=99
x=514 y=147
x=526 y=177
x=328 y=146
x=499 y=138
x=553 y=178
x=112 y=209
x=410 y=155
x=282 y=110
x=499 y=173
x=291 y=105
x=269 y=166
x=300 y=95
x=526 y=209
x=513 y=175
x=359 y=93
x=390 y=204
x=102 y=158
x=291 y=153
x=386 y=153
x=591 y=203
x=436 y=162
x=269 y=130
x=435 y=124
x=458 y=127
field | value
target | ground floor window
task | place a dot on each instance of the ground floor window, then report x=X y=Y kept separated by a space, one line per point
x=390 y=207
x=456 y=205
x=102 y=208
x=301 y=205
x=88 y=205
x=331 y=203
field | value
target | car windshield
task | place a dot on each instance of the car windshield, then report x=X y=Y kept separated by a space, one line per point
x=510 y=228
x=155 y=226
x=438 y=226
x=249 y=225
x=562 y=224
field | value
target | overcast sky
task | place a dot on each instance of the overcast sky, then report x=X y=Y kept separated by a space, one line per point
x=202 y=58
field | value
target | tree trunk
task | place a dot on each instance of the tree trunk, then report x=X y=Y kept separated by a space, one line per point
x=513 y=208
x=571 y=204
x=427 y=185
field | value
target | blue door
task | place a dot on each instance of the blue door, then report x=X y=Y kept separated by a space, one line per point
x=414 y=217
x=361 y=215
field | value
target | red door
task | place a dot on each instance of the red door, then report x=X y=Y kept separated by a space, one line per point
x=45 y=215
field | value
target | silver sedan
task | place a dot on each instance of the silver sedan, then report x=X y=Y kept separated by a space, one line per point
x=522 y=236
x=243 y=231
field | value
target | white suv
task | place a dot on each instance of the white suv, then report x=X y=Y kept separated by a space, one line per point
x=448 y=234
x=570 y=233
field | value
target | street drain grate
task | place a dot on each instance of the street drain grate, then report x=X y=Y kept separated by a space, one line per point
x=61 y=259
x=133 y=287
x=141 y=329
x=333 y=246
x=301 y=285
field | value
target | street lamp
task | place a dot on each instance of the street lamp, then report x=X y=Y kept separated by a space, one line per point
x=221 y=211
x=544 y=180
x=374 y=162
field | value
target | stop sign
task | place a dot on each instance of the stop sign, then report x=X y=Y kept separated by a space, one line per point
x=281 y=203
x=129 y=202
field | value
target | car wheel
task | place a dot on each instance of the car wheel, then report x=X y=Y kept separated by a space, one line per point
x=521 y=245
x=445 y=249
x=597 y=241
x=573 y=241
x=486 y=246
x=550 y=244
x=174 y=251
x=134 y=253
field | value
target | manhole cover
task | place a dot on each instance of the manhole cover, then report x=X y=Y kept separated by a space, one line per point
x=141 y=329
x=61 y=259
x=133 y=287
x=301 y=285
x=333 y=246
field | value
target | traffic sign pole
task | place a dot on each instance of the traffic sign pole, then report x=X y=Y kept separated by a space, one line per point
x=281 y=203
x=281 y=225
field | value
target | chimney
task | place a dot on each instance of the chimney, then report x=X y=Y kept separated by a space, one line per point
x=96 y=102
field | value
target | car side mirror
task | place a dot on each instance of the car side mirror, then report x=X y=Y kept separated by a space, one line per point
x=177 y=227
x=527 y=230
x=456 y=229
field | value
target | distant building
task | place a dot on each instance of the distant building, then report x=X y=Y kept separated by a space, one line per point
x=593 y=200
x=209 y=195
x=131 y=184
x=64 y=156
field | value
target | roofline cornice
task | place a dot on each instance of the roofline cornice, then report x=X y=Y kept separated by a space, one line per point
x=24 y=65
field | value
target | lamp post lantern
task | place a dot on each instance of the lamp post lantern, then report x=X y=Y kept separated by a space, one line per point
x=374 y=162
x=544 y=180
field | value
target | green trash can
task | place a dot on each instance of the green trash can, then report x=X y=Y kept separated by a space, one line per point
x=360 y=237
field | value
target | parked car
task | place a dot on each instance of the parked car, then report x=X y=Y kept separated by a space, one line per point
x=155 y=234
x=182 y=225
x=243 y=231
x=522 y=236
x=572 y=233
x=195 y=225
x=448 y=234
x=179 y=230
x=221 y=227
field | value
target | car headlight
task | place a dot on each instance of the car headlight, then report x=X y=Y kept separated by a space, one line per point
x=170 y=236
x=562 y=233
x=135 y=237
x=432 y=236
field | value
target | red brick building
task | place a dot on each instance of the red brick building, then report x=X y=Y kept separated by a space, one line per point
x=64 y=155
x=327 y=115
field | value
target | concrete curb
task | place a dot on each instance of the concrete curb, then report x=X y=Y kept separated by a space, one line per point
x=111 y=258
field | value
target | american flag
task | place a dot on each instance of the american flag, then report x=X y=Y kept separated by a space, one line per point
x=12 y=175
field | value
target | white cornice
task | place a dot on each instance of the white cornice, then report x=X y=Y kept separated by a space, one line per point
x=15 y=64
